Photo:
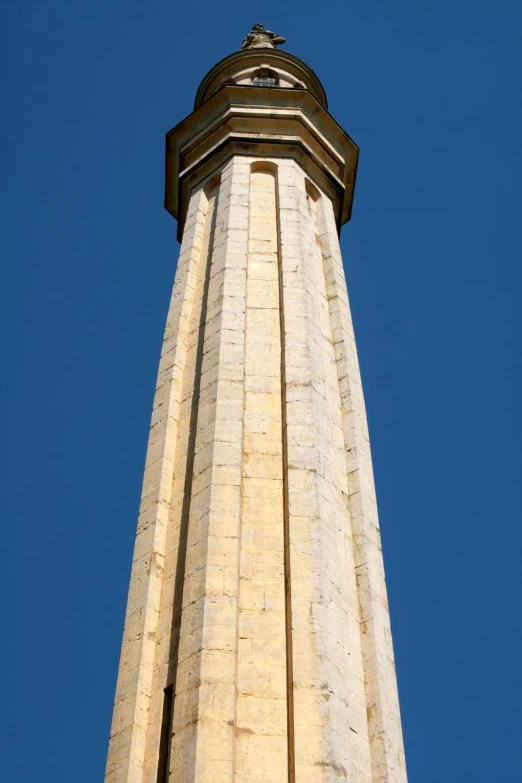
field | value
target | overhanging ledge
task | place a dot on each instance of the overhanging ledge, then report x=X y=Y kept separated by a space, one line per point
x=264 y=121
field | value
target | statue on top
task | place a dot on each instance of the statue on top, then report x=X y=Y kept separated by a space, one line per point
x=259 y=38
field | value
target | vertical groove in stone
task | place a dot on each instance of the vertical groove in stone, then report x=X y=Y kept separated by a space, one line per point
x=286 y=515
x=242 y=202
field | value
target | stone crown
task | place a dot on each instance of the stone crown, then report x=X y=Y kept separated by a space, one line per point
x=266 y=103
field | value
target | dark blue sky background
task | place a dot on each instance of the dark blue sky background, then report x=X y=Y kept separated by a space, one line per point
x=431 y=92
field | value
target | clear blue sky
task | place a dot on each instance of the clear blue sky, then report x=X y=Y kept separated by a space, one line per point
x=431 y=92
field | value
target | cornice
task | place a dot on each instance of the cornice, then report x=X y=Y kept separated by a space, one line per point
x=264 y=122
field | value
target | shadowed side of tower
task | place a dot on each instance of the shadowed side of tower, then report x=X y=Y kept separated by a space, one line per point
x=257 y=644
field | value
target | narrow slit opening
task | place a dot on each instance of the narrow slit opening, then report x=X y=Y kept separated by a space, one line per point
x=166 y=725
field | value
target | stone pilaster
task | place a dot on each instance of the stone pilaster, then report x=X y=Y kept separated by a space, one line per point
x=380 y=684
x=134 y=690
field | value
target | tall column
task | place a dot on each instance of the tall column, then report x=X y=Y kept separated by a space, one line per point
x=257 y=644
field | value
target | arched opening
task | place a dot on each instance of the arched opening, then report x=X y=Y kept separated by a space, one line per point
x=313 y=199
x=264 y=165
x=264 y=77
x=212 y=185
x=312 y=193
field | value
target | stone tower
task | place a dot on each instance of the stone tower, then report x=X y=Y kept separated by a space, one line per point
x=257 y=644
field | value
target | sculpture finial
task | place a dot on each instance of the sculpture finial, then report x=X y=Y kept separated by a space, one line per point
x=259 y=38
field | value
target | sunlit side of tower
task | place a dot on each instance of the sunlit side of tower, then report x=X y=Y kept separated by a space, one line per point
x=257 y=644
